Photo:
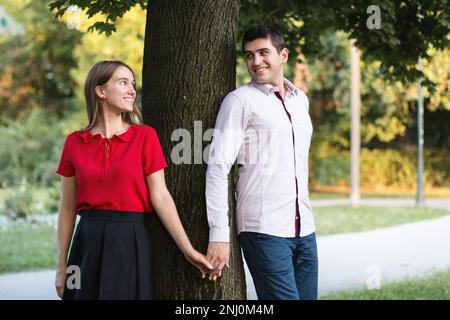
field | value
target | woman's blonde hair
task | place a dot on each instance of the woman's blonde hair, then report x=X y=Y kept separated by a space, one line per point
x=99 y=75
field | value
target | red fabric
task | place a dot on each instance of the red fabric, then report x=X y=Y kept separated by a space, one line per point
x=110 y=173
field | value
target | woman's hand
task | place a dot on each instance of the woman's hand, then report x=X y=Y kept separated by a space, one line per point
x=60 y=280
x=199 y=261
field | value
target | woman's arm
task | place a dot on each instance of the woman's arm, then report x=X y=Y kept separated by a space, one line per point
x=165 y=207
x=66 y=223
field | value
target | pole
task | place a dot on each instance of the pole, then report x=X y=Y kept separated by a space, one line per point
x=420 y=195
x=355 y=144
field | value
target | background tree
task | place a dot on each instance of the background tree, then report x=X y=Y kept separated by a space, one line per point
x=407 y=29
x=35 y=66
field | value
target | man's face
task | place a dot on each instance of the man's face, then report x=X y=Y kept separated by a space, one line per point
x=264 y=63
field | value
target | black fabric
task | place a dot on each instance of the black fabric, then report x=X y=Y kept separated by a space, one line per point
x=113 y=251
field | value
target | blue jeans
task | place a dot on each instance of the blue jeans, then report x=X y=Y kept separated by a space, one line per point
x=282 y=268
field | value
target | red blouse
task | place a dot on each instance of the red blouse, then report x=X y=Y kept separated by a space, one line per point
x=110 y=173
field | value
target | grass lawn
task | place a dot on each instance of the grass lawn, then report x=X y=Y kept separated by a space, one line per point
x=32 y=247
x=328 y=195
x=340 y=219
x=435 y=287
x=27 y=247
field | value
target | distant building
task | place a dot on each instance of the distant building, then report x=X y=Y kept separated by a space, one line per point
x=8 y=25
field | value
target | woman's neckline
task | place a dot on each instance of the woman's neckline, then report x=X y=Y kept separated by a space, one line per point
x=114 y=135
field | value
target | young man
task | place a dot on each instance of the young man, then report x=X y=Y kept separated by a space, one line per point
x=265 y=125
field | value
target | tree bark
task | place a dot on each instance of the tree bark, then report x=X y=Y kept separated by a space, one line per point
x=189 y=67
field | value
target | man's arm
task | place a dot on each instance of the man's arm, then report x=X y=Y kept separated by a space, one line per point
x=228 y=137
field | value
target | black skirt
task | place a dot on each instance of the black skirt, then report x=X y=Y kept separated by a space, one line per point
x=113 y=252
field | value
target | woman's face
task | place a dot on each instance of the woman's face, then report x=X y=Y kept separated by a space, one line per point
x=119 y=92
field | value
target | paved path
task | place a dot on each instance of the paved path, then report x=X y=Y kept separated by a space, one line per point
x=347 y=260
x=28 y=286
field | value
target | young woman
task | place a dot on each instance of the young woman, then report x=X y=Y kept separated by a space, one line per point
x=113 y=177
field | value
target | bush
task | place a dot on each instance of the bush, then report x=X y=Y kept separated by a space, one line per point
x=30 y=150
x=19 y=203
x=25 y=201
x=332 y=170
x=379 y=168
x=387 y=168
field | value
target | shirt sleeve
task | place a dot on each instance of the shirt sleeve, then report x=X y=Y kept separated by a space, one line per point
x=227 y=140
x=152 y=158
x=66 y=167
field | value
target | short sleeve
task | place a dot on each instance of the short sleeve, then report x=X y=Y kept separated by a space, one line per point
x=153 y=157
x=66 y=167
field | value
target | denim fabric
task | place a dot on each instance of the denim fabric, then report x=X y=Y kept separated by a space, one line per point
x=282 y=268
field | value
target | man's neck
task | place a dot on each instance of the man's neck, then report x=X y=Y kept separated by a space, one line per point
x=282 y=88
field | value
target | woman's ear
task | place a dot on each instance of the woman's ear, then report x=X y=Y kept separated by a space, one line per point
x=100 y=92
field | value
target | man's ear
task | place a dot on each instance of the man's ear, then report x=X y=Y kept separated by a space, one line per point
x=284 y=53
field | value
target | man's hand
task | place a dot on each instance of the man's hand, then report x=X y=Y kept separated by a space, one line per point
x=218 y=255
x=200 y=262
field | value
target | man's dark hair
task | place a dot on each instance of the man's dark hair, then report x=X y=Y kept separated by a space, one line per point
x=263 y=32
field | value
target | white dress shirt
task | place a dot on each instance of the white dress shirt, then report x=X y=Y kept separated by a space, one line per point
x=253 y=128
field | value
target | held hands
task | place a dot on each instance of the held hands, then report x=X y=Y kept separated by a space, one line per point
x=219 y=255
x=199 y=261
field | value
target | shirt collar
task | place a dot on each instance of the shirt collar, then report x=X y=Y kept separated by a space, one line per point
x=88 y=137
x=268 y=88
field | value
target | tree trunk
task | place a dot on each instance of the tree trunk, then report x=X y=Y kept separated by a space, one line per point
x=189 y=67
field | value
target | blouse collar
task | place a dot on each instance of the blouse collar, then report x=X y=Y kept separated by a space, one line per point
x=88 y=137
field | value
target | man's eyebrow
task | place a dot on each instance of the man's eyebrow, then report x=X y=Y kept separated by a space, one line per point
x=262 y=49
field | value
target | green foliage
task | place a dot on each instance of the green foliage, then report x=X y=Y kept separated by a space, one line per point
x=19 y=204
x=387 y=168
x=331 y=170
x=387 y=108
x=399 y=168
x=437 y=168
x=379 y=168
x=437 y=69
x=112 y=10
x=408 y=28
x=30 y=150
x=127 y=44
x=35 y=66
x=27 y=201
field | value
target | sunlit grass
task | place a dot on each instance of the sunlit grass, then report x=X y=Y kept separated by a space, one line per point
x=435 y=287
